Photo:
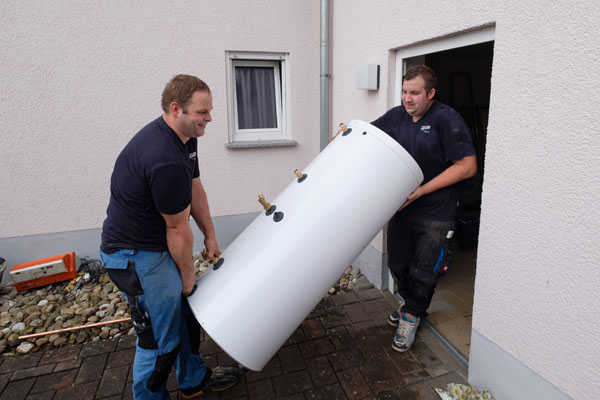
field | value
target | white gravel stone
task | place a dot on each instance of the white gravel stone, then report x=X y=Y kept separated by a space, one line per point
x=25 y=348
x=36 y=322
x=18 y=327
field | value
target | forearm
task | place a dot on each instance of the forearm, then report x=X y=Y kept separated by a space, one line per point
x=460 y=169
x=201 y=212
x=180 y=241
x=453 y=174
x=201 y=215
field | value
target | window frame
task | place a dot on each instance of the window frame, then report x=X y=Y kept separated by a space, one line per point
x=279 y=62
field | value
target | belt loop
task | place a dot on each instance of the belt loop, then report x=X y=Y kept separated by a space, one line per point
x=128 y=252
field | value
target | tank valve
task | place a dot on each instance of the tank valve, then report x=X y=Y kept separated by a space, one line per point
x=345 y=129
x=300 y=175
x=216 y=262
x=268 y=207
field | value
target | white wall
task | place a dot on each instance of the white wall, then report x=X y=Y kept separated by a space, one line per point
x=538 y=274
x=536 y=295
x=80 y=78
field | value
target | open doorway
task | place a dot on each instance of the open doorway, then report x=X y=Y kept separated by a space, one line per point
x=464 y=68
x=464 y=78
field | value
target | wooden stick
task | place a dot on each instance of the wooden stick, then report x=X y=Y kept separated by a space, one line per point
x=74 y=328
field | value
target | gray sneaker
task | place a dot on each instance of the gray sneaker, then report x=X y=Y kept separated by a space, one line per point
x=216 y=380
x=405 y=334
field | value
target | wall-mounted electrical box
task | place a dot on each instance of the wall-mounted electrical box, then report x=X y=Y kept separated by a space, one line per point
x=367 y=77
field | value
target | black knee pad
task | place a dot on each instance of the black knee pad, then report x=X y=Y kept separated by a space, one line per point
x=194 y=332
x=162 y=368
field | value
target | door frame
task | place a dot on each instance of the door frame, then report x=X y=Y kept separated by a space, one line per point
x=419 y=51
x=469 y=38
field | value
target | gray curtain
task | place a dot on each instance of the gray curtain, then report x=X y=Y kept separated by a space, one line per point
x=255 y=89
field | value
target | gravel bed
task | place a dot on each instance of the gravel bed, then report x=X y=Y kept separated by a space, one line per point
x=88 y=299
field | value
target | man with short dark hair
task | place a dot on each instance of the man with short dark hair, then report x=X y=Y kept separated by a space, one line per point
x=419 y=234
x=147 y=242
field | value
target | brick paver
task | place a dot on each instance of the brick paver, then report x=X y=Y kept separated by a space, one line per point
x=33 y=371
x=91 y=368
x=21 y=362
x=113 y=381
x=342 y=350
x=54 y=381
x=17 y=389
x=61 y=354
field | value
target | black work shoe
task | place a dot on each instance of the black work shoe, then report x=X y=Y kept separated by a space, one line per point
x=216 y=380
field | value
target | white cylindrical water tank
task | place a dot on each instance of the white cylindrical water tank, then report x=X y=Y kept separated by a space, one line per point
x=279 y=268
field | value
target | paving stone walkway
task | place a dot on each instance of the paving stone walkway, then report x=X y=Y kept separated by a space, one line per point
x=342 y=350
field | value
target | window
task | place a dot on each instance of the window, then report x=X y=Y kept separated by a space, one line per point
x=258 y=97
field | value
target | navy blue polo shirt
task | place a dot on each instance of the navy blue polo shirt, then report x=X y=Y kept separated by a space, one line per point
x=152 y=175
x=434 y=141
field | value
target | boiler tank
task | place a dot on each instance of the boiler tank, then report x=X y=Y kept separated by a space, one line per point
x=279 y=268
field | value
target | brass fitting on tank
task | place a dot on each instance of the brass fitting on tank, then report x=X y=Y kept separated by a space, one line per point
x=300 y=175
x=268 y=207
x=216 y=262
x=343 y=128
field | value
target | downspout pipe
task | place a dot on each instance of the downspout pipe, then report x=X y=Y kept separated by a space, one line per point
x=324 y=114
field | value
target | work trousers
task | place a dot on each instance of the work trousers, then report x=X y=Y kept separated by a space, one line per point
x=168 y=333
x=419 y=253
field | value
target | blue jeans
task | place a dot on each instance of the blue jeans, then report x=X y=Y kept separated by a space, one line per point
x=174 y=337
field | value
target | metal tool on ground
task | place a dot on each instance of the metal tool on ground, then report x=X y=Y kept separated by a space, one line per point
x=74 y=328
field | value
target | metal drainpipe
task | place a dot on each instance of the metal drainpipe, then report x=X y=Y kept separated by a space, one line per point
x=324 y=116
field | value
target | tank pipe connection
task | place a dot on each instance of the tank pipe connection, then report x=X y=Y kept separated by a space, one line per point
x=215 y=261
x=268 y=207
x=343 y=128
x=278 y=216
x=300 y=175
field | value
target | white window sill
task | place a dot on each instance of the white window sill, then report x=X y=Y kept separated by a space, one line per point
x=261 y=143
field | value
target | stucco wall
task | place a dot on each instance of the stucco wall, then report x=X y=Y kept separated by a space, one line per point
x=537 y=280
x=80 y=78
